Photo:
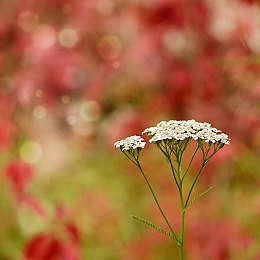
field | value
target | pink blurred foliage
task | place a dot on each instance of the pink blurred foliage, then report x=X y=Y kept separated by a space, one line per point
x=98 y=202
x=49 y=246
x=122 y=124
x=219 y=239
x=19 y=174
x=178 y=13
x=43 y=246
x=144 y=246
x=61 y=242
x=138 y=61
x=138 y=249
x=249 y=1
x=6 y=133
x=34 y=205
x=24 y=83
x=178 y=87
x=188 y=77
x=8 y=128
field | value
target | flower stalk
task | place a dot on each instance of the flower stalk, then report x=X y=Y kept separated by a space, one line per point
x=172 y=139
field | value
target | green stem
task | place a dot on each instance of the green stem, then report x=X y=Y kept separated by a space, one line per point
x=181 y=248
x=194 y=182
x=157 y=202
x=179 y=159
x=173 y=172
x=190 y=162
x=205 y=161
x=183 y=209
x=131 y=155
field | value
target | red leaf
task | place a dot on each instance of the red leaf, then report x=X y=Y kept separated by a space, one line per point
x=73 y=232
x=49 y=247
x=249 y=1
x=19 y=174
x=35 y=205
x=42 y=247
x=69 y=252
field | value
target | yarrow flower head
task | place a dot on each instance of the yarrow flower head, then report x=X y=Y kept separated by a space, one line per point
x=180 y=130
x=132 y=142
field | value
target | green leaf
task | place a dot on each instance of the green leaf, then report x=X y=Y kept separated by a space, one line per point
x=155 y=227
x=200 y=195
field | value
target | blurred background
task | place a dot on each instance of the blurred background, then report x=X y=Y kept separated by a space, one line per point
x=76 y=76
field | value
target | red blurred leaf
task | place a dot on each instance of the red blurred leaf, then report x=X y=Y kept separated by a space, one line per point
x=249 y=1
x=5 y=139
x=49 y=247
x=35 y=205
x=42 y=247
x=179 y=86
x=7 y=127
x=73 y=231
x=216 y=239
x=69 y=252
x=62 y=212
x=179 y=14
x=19 y=174
x=167 y=13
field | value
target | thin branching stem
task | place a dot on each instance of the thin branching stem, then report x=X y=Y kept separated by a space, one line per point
x=130 y=157
x=174 y=172
x=191 y=160
x=183 y=208
x=194 y=182
x=156 y=201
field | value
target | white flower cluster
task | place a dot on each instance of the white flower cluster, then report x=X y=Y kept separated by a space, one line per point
x=133 y=142
x=180 y=130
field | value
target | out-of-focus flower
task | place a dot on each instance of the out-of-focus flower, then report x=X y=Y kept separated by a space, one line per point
x=68 y=38
x=120 y=124
x=27 y=20
x=44 y=37
x=109 y=47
